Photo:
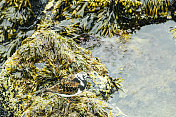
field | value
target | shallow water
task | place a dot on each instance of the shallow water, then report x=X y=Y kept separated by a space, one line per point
x=147 y=63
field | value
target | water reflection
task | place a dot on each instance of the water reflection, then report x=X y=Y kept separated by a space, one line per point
x=147 y=63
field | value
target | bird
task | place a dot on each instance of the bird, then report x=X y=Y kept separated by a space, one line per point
x=71 y=85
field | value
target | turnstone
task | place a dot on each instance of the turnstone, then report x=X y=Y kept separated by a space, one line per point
x=70 y=86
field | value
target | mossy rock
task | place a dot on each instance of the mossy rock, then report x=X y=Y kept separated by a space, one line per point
x=40 y=62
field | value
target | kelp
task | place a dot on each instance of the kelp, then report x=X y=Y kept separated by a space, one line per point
x=17 y=17
x=156 y=9
x=97 y=17
x=58 y=107
x=108 y=18
x=41 y=62
x=15 y=13
x=173 y=14
x=73 y=18
x=49 y=51
x=173 y=31
x=173 y=9
x=19 y=3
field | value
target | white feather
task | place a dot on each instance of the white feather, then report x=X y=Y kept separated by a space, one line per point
x=65 y=95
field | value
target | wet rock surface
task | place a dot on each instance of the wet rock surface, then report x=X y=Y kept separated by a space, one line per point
x=147 y=64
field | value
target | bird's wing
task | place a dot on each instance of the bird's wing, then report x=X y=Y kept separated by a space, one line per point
x=65 y=95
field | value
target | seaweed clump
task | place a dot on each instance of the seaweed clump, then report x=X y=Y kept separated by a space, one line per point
x=97 y=17
x=18 y=21
x=19 y=18
x=57 y=107
x=41 y=62
x=110 y=17
x=50 y=53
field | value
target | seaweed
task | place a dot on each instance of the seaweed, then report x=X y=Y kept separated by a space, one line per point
x=17 y=20
x=109 y=18
x=39 y=47
x=41 y=62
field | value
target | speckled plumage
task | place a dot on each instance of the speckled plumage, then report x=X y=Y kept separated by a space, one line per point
x=71 y=85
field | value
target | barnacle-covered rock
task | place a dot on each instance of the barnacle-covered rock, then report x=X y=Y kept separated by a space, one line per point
x=41 y=62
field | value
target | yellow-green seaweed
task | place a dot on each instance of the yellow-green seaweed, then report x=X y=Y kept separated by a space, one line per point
x=40 y=62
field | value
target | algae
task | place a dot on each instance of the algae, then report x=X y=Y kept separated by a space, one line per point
x=40 y=62
x=39 y=59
